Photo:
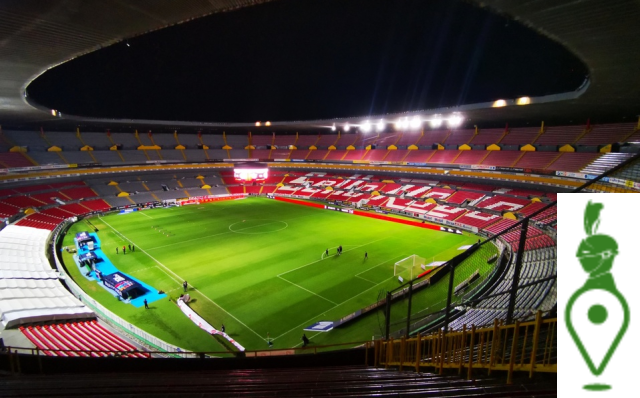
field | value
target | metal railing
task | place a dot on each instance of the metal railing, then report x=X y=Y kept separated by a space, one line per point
x=520 y=347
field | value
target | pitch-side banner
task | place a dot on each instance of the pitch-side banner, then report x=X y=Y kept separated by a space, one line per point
x=197 y=319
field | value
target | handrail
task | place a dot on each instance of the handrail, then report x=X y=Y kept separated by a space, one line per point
x=523 y=346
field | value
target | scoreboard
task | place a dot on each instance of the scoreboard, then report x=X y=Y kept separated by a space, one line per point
x=245 y=174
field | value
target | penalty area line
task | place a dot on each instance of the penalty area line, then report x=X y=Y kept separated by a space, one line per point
x=179 y=279
x=317 y=261
x=307 y=290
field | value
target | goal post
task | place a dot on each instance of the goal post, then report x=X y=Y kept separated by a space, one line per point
x=409 y=267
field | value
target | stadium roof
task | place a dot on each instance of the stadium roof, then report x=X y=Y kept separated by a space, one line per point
x=35 y=36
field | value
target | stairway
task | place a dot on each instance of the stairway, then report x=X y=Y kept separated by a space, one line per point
x=606 y=162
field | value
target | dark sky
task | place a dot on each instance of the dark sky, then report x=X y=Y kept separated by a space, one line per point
x=312 y=59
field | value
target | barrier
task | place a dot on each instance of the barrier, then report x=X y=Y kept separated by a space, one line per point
x=396 y=220
x=129 y=329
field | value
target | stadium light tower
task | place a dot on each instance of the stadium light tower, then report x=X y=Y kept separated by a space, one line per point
x=455 y=120
x=416 y=122
x=380 y=125
x=402 y=123
x=347 y=127
x=333 y=127
x=366 y=126
x=435 y=122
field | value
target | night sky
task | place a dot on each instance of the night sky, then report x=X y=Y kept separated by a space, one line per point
x=313 y=59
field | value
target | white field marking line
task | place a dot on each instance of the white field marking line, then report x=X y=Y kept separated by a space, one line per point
x=181 y=279
x=376 y=266
x=364 y=279
x=203 y=237
x=317 y=261
x=142 y=269
x=307 y=290
x=349 y=299
x=142 y=212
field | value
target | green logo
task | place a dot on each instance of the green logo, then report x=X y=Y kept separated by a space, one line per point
x=596 y=254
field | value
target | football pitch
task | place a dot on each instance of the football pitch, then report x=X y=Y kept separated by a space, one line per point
x=259 y=266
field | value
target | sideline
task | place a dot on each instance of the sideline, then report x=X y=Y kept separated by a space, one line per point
x=178 y=279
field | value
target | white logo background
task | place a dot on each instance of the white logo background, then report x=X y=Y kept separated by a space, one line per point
x=619 y=219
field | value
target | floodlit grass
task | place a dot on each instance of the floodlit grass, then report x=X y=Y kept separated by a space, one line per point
x=257 y=265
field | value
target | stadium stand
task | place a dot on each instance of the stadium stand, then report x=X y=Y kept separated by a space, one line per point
x=79 y=339
x=29 y=288
x=471 y=157
x=502 y=158
x=520 y=136
x=572 y=161
x=560 y=135
x=487 y=137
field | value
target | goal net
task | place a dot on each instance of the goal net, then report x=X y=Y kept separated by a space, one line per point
x=409 y=267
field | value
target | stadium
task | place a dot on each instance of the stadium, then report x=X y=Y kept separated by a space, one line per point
x=270 y=198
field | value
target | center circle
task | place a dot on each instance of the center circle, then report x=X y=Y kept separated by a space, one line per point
x=257 y=226
x=597 y=314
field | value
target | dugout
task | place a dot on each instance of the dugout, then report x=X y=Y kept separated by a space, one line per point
x=123 y=285
x=83 y=238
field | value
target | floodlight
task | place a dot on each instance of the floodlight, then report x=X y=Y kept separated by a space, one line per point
x=366 y=126
x=416 y=122
x=499 y=103
x=333 y=127
x=435 y=122
x=258 y=124
x=267 y=123
x=523 y=101
x=347 y=127
x=455 y=120
x=380 y=125
x=402 y=124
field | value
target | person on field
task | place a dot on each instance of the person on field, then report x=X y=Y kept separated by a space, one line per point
x=222 y=328
x=129 y=247
x=366 y=255
x=326 y=252
x=116 y=250
x=133 y=248
x=124 y=249
x=146 y=305
x=305 y=340
x=184 y=285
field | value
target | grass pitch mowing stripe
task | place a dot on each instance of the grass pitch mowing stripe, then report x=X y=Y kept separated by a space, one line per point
x=238 y=269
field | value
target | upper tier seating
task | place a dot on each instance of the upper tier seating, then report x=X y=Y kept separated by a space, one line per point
x=560 y=135
x=444 y=156
x=487 y=137
x=216 y=141
x=285 y=140
x=419 y=156
x=502 y=158
x=14 y=159
x=459 y=137
x=471 y=157
x=432 y=137
x=306 y=140
x=520 y=136
x=261 y=140
x=600 y=134
x=573 y=161
x=536 y=160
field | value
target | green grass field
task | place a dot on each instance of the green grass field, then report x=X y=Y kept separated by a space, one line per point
x=257 y=265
